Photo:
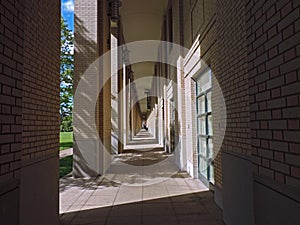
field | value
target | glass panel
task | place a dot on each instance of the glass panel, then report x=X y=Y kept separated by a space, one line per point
x=205 y=125
x=202 y=146
x=197 y=89
x=210 y=148
x=212 y=175
x=203 y=167
x=204 y=82
x=210 y=125
x=172 y=108
x=209 y=102
x=201 y=105
x=201 y=125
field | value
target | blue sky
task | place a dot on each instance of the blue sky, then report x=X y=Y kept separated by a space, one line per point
x=67 y=11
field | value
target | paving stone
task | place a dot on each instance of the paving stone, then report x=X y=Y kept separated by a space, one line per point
x=145 y=194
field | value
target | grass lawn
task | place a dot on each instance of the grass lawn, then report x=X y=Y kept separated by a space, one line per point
x=66 y=140
x=65 y=165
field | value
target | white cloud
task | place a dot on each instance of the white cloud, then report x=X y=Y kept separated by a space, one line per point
x=72 y=49
x=68 y=6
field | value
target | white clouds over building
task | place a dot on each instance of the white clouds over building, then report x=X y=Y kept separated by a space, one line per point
x=68 y=6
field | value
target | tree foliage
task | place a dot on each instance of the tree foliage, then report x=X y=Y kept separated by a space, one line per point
x=66 y=76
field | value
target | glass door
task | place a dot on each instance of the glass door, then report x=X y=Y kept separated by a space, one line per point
x=204 y=127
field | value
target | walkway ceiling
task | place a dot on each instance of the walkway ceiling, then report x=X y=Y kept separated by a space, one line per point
x=142 y=20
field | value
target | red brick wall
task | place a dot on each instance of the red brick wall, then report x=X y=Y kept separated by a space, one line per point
x=274 y=80
x=40 y=118
x=29 y=108
x=11 y=75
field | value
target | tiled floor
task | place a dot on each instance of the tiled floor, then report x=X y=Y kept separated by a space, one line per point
x=140 y=188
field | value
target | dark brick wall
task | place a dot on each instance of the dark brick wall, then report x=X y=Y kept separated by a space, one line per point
x=273 y=40
x=29 y=108
x=230 y=68
x=231 y=71
x=40 y=116
x=11 y=75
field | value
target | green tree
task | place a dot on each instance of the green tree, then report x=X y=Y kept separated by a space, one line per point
x=66 y=77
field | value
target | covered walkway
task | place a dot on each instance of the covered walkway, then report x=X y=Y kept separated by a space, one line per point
x=215 y=82
x=143 y=186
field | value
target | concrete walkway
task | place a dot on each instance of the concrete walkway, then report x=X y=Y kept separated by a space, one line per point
x=143 y=186
x=65 y=153
x=142 y=138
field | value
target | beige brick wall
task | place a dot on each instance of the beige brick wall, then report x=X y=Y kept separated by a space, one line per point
x=105 y=95
x=190 y=126
x=115 y=98
x=199 y=18
x=87 y=49
x=226 y=56
x=92 y=40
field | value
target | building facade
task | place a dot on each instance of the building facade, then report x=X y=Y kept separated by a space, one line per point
x=227 y=108
x=251 y=49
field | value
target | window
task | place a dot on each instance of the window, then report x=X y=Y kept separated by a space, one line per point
x=204 y=127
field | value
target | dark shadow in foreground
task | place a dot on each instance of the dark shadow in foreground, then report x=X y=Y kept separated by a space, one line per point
x=193 y=208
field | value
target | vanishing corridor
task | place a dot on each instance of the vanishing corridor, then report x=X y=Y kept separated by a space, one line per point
x=179 y=112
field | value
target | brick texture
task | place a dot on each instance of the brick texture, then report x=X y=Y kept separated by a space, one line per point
x=92 y=37
x=231 y=72
x=29 y=104
x=273 y=62
x=11 y=75
x=199 y=21
x=229 y=64
x=40 y=117
x=192 y=19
